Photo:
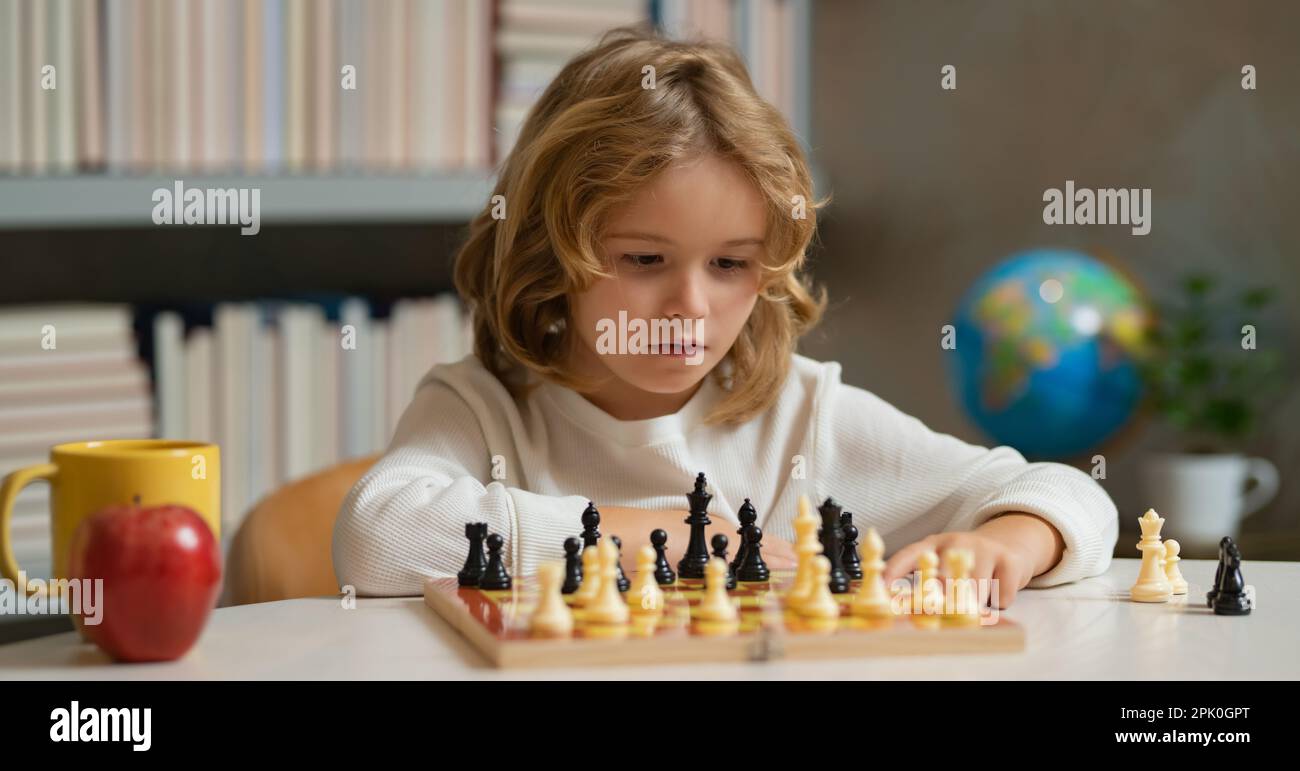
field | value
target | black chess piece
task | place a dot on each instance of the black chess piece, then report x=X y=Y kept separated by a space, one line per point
x=852 y=562
x=472 y=573
x=748 y=517
x=692 y=563
x=495 y=575
x=720 y=552
x=590 y=525
x=832 y=538
x=572 y=565
x=664 y=574
x=623 y=583
x=1218 y=573
x=1231 y=599
x=754 y=568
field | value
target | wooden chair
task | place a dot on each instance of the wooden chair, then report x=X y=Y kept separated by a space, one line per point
x=282 y=549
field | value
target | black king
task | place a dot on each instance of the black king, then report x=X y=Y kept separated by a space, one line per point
x=697 y=551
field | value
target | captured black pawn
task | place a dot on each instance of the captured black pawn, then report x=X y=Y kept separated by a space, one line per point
x=748 y=517
x=475 y=563
x=753 y=568
x=852 y=562
x=590 y=525
x=572 y=565
x=1218 y=573
x=495 y=575
x=664 y=574
x=623 y=583
x=720 y=552
x=1231 y=599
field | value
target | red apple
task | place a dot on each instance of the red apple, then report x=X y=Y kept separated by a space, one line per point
x=161 y=568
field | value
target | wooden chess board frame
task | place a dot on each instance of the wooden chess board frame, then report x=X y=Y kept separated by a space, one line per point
x=496 y=624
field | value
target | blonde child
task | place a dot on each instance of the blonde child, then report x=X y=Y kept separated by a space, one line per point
x=679 y=206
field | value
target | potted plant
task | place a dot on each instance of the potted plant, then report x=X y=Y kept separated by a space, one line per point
x=1210 y=376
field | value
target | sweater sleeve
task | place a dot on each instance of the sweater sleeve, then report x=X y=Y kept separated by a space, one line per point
x=404 y=520
x=916 y=482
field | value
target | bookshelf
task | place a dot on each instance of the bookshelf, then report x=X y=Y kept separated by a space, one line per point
x=113 y=201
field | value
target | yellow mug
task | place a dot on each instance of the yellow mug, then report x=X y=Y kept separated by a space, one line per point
x=85 y=477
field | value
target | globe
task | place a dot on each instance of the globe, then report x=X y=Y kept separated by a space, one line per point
x=1047 y=348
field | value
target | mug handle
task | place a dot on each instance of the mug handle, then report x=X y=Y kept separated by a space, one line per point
x=8 y=492
x=1266 y=483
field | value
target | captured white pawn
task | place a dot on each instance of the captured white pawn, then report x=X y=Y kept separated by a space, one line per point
x=872 y=599
x=645 y=598
x=590 y=577
x=552 y=618
x=716 y=607
x=1176 y=581
x=608 y=607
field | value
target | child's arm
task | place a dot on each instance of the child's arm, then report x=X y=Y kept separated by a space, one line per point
x=1042 y=523
x=404 y=520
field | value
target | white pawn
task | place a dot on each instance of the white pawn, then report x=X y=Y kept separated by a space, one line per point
x=608 y=607
x=1176 y=581
x=872 y=599
x=590 y=577
x=645 y=596
x=716 y=606
x=552 y=618
x=926 y=614
x=820 y=609
x=963 y=608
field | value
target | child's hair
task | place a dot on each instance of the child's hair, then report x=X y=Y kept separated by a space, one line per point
x=593 y=139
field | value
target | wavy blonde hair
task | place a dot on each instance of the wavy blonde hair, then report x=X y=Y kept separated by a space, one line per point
x=592 y=140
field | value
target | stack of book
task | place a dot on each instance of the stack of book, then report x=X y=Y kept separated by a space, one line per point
x=68 y=373
x=286 y=389
x=252 y=86
x=535 y=38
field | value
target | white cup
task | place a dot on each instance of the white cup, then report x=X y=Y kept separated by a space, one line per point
x=1205 y=497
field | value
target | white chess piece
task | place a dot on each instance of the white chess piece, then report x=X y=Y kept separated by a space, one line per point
x=963 y=608
x=872 y=599
x=645 y=598
x=590 y=577
x=806 y=546
x=608 y=607
x=716 y=606
x=552 y=618
x=1177 y=583
x=1152 y=584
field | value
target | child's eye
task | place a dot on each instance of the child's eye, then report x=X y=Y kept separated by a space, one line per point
x=642 y=260
x=730 y=264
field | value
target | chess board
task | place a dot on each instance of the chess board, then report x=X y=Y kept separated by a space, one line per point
x=496 y=624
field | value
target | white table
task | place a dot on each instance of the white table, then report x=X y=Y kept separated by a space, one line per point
x=1086 y=630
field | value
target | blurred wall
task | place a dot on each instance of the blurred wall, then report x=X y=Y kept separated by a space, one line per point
x=932 y=187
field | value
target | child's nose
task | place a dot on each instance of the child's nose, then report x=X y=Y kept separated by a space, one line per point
x=688 y=298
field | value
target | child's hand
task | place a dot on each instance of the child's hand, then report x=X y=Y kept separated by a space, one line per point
x=1011 y=565
x=778 y=554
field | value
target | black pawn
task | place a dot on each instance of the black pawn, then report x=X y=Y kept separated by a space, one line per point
x=472 y=573
x=720 y=552
x=572 y=565
x=747 y=517
x=1218 y=573
x=852 y=562
x=590 y=525
x=1231 y=599
x=754 y=568
x=664 y=574
x=495 y=575
x=623 y=583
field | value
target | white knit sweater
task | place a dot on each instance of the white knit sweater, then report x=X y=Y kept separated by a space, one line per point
x=404 y=520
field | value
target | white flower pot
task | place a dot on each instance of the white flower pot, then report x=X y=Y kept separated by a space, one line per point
x=1205 y=497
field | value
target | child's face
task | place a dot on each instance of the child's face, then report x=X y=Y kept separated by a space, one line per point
x=687 y=248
